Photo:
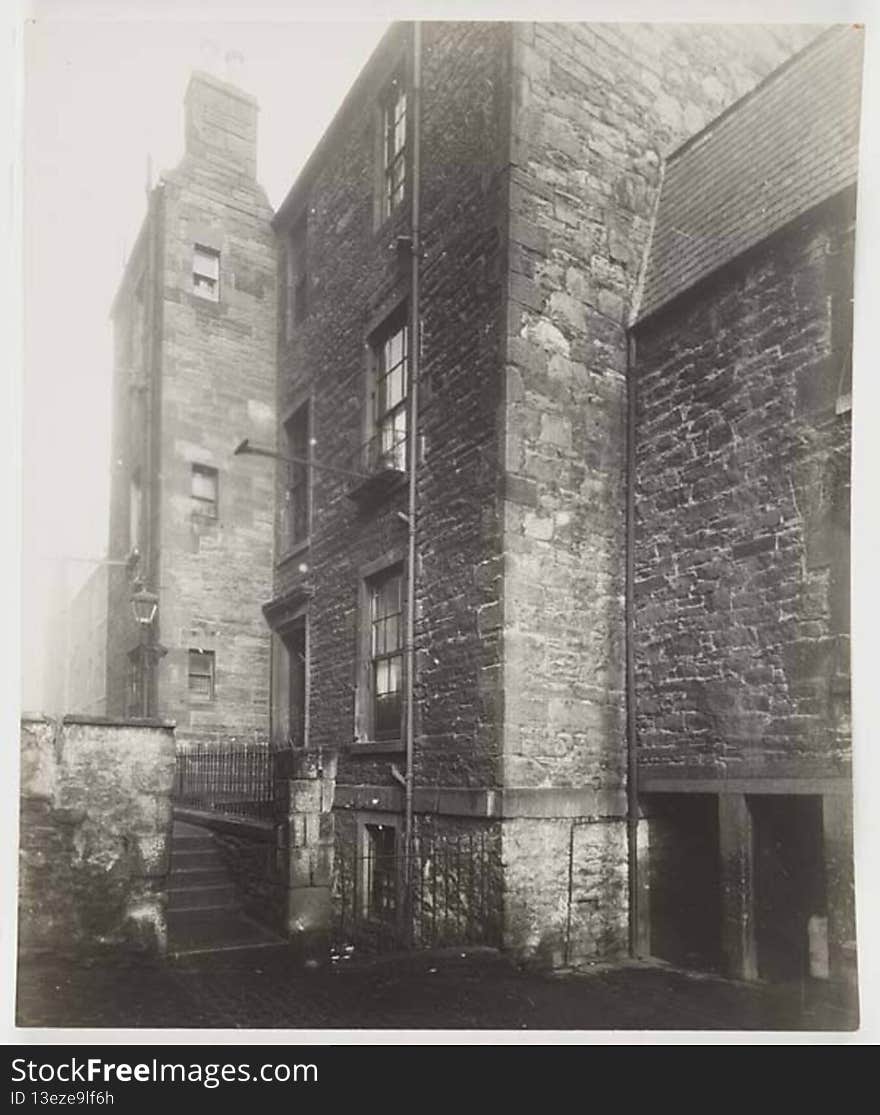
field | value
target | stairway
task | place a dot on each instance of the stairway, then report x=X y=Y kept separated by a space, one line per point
x=204 y=914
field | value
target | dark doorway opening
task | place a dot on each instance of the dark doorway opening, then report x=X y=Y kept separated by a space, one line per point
x=790 y=898
x=294 y=639
x=685 y=893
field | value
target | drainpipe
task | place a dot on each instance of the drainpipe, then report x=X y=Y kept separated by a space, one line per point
x=412 y=461
x=632 y=769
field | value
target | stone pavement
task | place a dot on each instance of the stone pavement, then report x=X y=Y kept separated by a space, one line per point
x=450 y=990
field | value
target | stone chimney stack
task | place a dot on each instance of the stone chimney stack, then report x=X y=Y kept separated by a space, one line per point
x=221 y=124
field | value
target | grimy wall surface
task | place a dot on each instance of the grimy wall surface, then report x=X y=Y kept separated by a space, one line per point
x=357 y=278
x=742 y=545
x=95 y=832
x=194 y=376
x=541 y=149
x=594 y=110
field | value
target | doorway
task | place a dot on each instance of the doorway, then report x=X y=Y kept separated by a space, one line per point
x=790 y=893
x=685 y=893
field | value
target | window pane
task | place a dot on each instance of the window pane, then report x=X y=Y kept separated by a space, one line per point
x=204 y=484
x=206 y=263
x=387 y=715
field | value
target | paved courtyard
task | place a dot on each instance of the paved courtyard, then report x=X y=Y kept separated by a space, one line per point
x=449 y=990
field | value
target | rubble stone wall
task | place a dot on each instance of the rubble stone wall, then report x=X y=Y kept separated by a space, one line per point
x=95 y=832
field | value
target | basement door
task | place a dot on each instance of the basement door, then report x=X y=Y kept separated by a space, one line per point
x=789 y=882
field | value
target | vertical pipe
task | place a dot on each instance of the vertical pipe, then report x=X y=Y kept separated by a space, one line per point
x=412 y=460
x=632 y=779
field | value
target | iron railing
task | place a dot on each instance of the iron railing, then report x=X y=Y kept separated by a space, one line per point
x=454 y=895
x=235 y=779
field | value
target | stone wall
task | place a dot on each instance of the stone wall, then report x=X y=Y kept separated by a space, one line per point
x=742 y=544
x=594 y=110
x=95 y=831
x=193 y=377
x=217 y=387
x=356 y=277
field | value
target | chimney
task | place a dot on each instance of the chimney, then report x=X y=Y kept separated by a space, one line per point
x=221 y=124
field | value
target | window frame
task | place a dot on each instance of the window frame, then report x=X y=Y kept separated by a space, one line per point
x=394 y=113
x=367 y=824
x=135 y=511
x=297 y=478
x=384 y=417
x=373 y=579
x=294 y=643
x=210 y=659
x=210 y=292
x=202 y=507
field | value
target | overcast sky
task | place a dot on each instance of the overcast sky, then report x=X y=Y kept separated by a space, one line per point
x=101 y=99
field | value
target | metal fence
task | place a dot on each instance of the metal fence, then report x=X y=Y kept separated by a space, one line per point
x=237 y=780
x=454 y=896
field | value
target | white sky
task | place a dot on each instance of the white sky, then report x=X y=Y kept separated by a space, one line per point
x=100 y=98
x=104 y=83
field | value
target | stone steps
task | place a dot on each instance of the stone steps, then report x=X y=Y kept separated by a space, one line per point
x=204 y=914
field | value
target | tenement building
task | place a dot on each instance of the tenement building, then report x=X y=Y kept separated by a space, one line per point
x=194 y=326
x=563 y=411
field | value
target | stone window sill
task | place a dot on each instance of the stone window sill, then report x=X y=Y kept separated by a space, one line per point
x=377 y=747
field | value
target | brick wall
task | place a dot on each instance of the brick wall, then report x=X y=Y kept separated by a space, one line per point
x=742 y=513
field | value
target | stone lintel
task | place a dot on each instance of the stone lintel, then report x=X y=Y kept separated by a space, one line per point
x=684 y=784
x=120 y=722
x=495 y=804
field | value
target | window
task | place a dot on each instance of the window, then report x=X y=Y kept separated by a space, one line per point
x=385 y=594
x=134 y=684
x=201 y=674
x=393 y=109
x=390 y=354
x=135 y=504
x=206 y=273
x=204 y=491
x=380 y=870
x=295 y=509
x=297 y=276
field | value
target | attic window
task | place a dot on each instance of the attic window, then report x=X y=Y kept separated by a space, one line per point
x=206 y=273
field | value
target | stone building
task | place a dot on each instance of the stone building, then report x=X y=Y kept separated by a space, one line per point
x=741 y=396
x=194 y=327
x=476 y=223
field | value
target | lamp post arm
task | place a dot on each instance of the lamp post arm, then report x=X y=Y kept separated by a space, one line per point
x=245 y=448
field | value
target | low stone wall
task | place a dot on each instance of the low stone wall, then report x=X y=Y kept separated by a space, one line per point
x=95 y=833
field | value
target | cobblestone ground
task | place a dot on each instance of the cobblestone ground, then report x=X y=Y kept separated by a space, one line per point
x=451 y=990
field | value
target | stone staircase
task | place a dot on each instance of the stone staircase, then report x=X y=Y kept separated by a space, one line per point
x=204 y=914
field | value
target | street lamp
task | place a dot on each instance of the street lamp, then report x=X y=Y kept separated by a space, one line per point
x=144 y=604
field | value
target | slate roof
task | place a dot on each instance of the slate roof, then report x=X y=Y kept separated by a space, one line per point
x=780 y=150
